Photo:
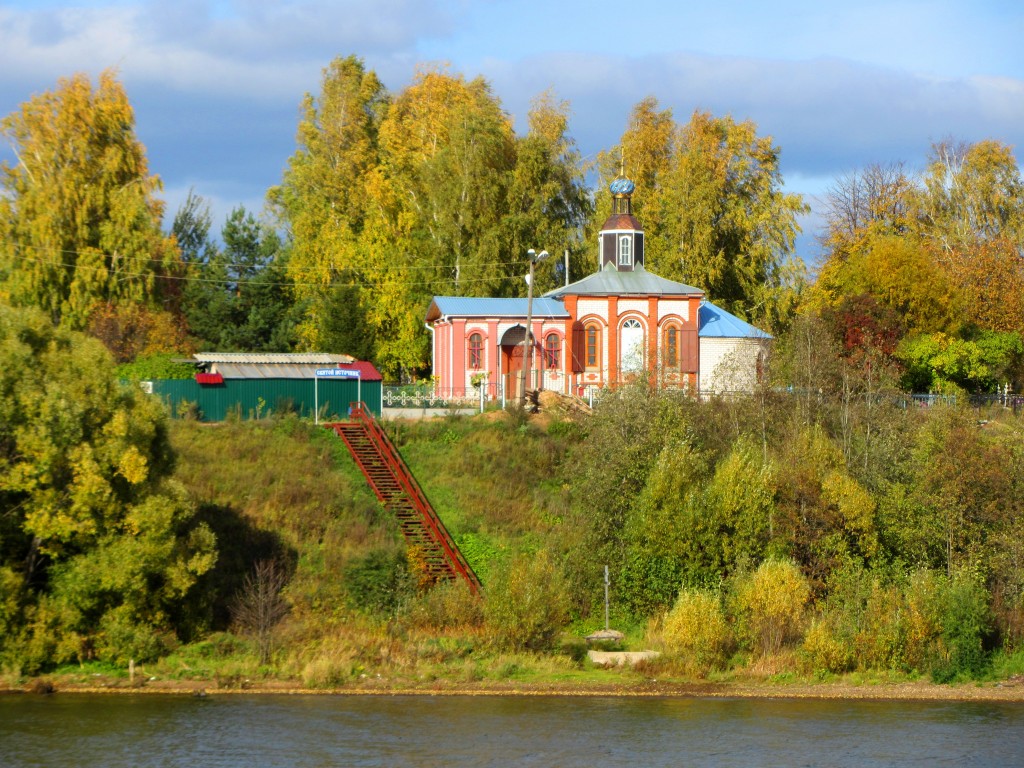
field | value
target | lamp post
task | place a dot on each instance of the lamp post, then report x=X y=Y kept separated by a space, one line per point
x=533 y=257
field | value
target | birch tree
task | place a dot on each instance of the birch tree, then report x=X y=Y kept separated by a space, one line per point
x=79 y=217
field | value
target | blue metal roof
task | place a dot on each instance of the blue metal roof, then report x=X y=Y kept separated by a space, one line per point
x=469 y=306
x=716 y=323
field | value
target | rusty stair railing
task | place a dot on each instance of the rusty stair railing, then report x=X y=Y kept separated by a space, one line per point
x=397 y=489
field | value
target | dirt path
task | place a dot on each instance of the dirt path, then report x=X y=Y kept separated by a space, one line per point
x=1009 y=690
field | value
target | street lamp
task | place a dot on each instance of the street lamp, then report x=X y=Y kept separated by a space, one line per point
x=533 y=257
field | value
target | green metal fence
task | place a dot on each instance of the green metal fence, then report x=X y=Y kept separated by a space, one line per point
x=258 y=398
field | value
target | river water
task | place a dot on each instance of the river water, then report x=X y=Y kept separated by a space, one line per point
x=232 y=731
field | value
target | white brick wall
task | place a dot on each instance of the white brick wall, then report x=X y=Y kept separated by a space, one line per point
x=728 y=364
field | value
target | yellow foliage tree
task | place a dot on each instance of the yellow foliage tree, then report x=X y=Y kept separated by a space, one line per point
x=771 y=602
x=696 y=628
x=710 y=192
x=79 y=220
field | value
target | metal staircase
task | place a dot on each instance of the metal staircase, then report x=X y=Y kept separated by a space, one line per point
x=432 y=550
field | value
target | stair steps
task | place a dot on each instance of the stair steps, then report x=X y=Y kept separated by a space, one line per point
x=396 y=488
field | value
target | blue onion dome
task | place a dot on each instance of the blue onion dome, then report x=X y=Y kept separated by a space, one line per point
x=622 y=186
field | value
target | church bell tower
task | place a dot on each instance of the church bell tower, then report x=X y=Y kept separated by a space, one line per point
x=621 y=236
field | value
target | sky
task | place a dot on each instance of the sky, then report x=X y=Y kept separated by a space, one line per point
x=216 y=84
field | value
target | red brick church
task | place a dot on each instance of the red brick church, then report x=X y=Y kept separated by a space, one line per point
x=617 y=323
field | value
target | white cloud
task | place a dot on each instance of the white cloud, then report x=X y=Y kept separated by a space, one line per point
x=264 y=51
x=826 y=114
x=216 y=83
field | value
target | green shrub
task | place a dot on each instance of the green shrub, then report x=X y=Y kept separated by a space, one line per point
x=965 y=619
x=378 y=581
x=160 y=366
x=1007 y=664
x=575 y=648
x=123 y=637
x=526 y=603
x=648 y=583
x=448 y=605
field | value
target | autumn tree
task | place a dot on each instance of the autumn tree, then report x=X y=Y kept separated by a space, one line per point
x=447 y=152
x=100 y=548
x=971 y=193
x=901 y=276
x=451 y=149
x=548 y=203
x=875 y=199
x=322 y=199
x=390 y=200
x=932 y=259
x=645 y=154
x=130 y=331
x=79 y=220
x=970 y=210
x=717 y=214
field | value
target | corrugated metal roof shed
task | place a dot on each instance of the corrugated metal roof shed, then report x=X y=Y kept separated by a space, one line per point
x=468 y=306
x=610 y=282
x=315 y=358
x=715 y=322
x=243 y=365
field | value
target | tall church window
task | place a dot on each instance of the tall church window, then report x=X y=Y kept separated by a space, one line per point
x=476 y=351
x=632 y=346
x=625 y=251
x=552 y=351
x=670 y=352
x=593 y=346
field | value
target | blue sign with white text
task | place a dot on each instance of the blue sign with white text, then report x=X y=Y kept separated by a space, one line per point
x=338 y=373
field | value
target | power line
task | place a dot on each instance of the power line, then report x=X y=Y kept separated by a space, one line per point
x=122 y=274
x=228 y=264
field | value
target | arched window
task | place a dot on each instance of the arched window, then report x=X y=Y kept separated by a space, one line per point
x=476 y=352
x=670 y=350
x=625 y=251
x=632 y=345
x=552 y=351
x=593 y=358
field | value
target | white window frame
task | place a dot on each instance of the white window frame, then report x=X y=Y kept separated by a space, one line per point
x=632 y=343
x=625 y=251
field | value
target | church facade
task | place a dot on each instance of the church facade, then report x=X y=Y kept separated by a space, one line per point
x=614 y=325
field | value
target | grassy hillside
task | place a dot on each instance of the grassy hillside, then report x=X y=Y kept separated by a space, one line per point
x=288 y=491
x=745 y=537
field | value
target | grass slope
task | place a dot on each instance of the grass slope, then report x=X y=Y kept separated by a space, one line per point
x=288 y=490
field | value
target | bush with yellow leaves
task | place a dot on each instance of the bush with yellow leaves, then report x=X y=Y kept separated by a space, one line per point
x=697 y=630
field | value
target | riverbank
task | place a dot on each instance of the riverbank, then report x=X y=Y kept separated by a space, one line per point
x=1011 y=690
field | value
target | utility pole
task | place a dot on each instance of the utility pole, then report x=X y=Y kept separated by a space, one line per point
x=607 y=582
x=533 y=258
